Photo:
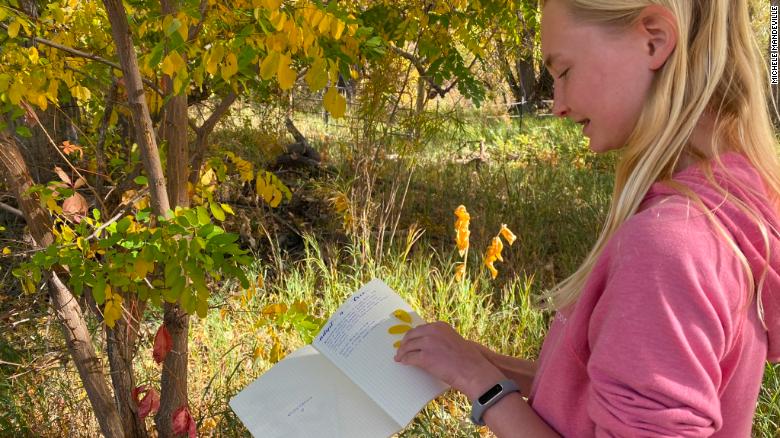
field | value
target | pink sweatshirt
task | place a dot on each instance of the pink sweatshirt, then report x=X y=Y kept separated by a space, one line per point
x=659 y=344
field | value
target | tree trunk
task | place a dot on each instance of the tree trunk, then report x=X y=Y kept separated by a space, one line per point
x=173 y=386
x=144 y=130
x=121 y=340
x=65 y=306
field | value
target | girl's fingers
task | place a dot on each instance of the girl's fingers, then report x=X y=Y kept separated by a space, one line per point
x=409 y=345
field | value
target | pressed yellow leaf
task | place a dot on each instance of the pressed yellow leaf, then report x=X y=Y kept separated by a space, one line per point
x=403 y=315
x=399 y=329
x=286 y=76
x=397 y=344
x=335 y=103
x=270 y=65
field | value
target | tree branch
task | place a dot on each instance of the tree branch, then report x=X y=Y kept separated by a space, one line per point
x=9 y=209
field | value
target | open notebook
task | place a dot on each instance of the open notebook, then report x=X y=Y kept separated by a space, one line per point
x=345 y=383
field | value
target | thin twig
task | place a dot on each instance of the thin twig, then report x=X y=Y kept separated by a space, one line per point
x=9 y=209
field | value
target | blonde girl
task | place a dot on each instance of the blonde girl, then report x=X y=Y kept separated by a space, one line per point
x=665 y=327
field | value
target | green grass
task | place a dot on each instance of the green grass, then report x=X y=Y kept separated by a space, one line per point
x=539 y=179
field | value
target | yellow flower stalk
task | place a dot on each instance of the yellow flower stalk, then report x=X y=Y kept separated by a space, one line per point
x=507 y=234
x=462 y=239
x=494 y=253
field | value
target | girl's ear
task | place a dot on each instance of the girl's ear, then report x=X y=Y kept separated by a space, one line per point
x=658 y=28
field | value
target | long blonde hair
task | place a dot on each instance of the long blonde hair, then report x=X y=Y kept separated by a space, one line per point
x=717 y=68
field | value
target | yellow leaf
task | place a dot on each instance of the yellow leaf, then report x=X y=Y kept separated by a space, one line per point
x=184 y=28
x=337 y=28
x=13 y=29
x=33 y=55
x=231 y=66
x=268 y=193
x=272 y=4
x=277 y=19
x=214 y=58
x=274 y=309
x=324 y=25
x=228 y=209
x=172 y=63
x=403 y=315
x=16 y=92
x=141 y=267
x=334 y=102
x=286 y=76
x=67 y=233
x=276 y=198
x=317 y=77
x=6 y=250
x=80 y=93
x=397 y=344
x=270 y=65
x=399 y=329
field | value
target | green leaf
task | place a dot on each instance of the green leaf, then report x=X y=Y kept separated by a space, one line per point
x=203 y=308
x=99 y=291
x=23 y=131
x=203 y=216
x=141 y=180
x=123 y=225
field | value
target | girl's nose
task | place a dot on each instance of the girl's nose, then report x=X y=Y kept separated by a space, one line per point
x=559 y=107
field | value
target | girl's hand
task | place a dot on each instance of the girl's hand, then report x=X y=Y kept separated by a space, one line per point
x=438 y=349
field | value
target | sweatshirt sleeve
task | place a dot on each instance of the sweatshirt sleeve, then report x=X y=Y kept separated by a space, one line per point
x=659 y=331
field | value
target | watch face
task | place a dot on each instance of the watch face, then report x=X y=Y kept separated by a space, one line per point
x=490 y=393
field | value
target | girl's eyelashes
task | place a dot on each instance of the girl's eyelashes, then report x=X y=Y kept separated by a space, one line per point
x=564 y=73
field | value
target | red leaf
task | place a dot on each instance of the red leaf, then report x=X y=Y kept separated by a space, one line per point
x=182 y=422
x=149 y=404
x=75 y=207
x=162 y=344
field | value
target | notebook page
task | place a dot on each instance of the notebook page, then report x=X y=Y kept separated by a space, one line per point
x=357 y=341
x=304 y=396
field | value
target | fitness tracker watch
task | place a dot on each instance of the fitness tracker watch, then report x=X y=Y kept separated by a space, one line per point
x=489 y=398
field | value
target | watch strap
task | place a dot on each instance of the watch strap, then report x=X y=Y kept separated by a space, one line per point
x=491 y=397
